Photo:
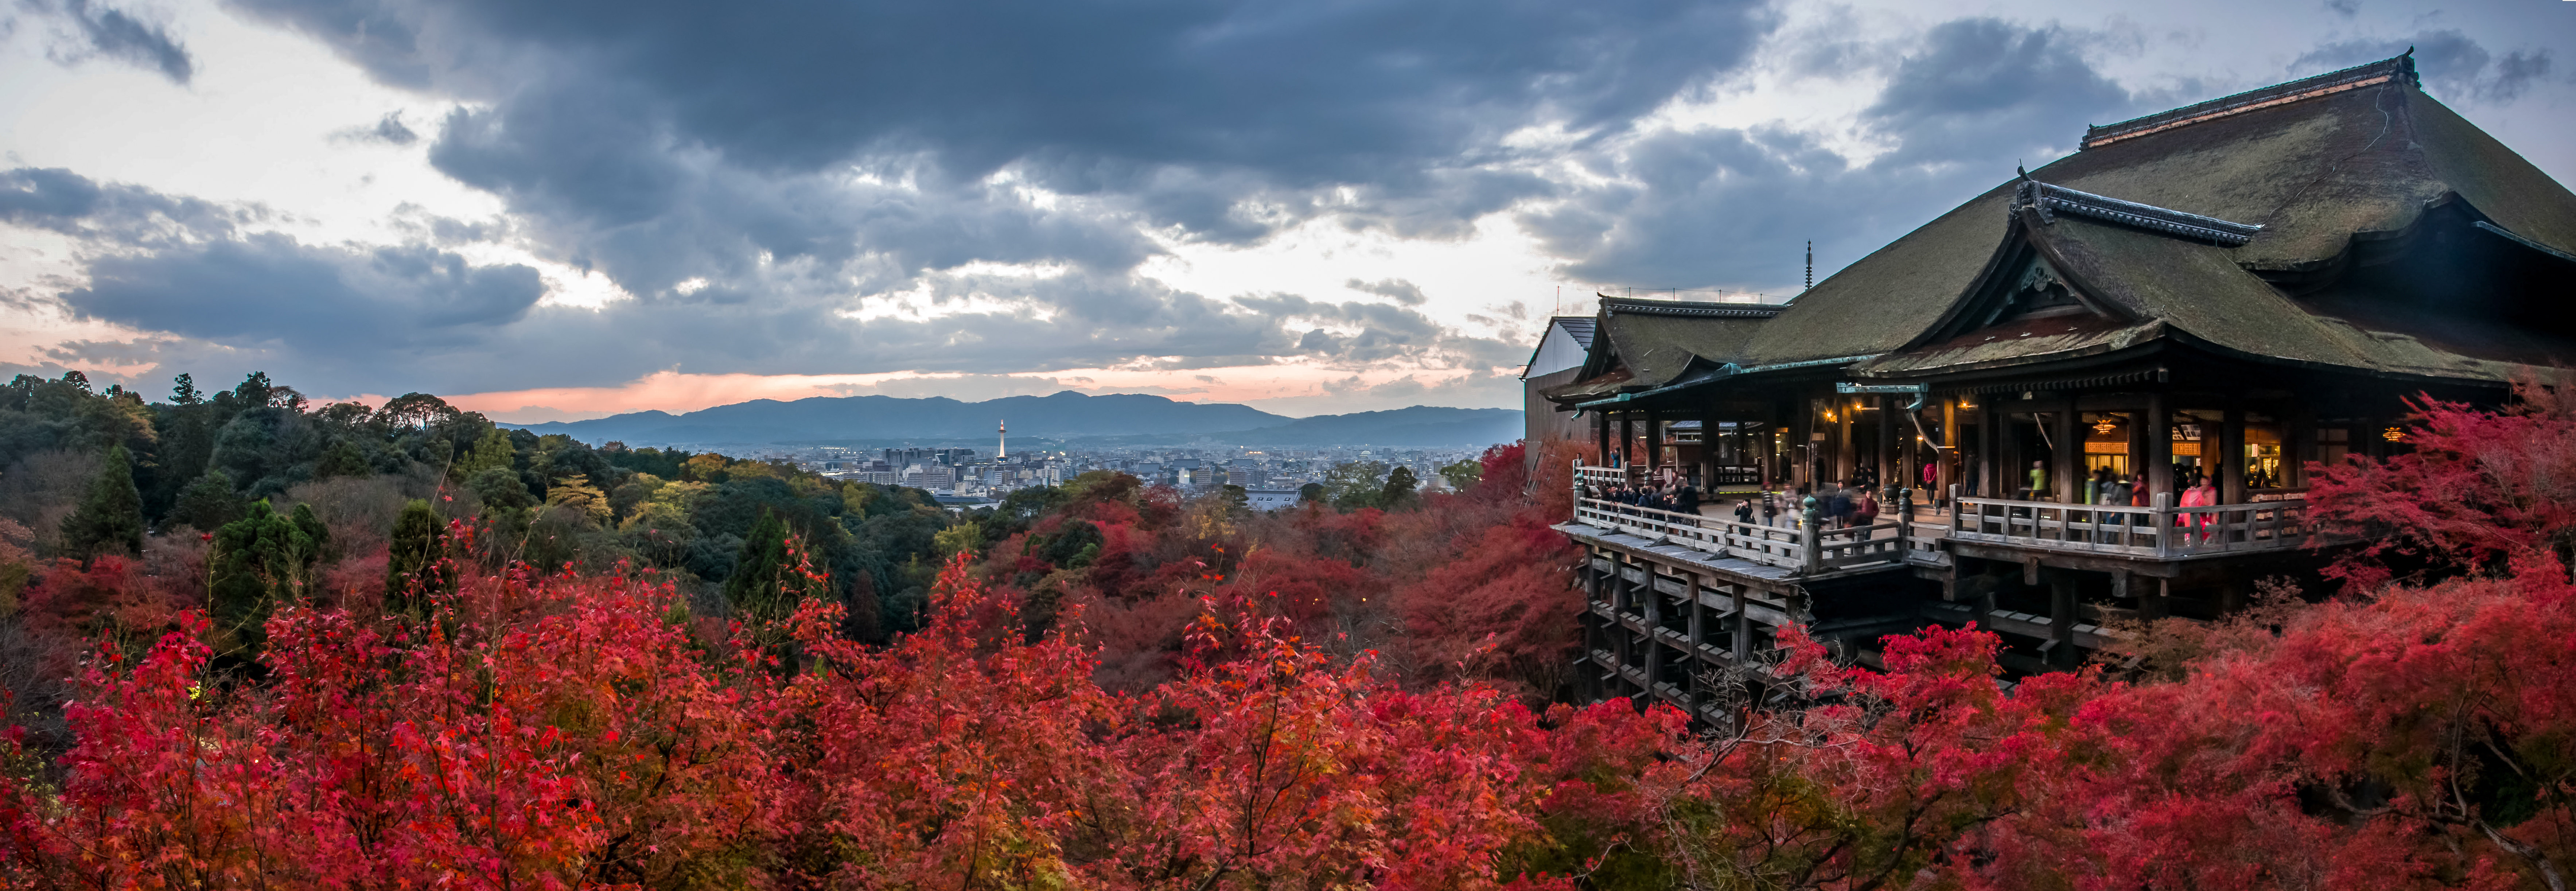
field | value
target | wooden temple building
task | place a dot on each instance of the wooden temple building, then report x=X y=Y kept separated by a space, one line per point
x=2226 y=291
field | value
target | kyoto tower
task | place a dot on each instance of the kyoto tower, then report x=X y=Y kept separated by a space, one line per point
x=1002 y=448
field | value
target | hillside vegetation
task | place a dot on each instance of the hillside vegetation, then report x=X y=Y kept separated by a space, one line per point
x=1108 y=685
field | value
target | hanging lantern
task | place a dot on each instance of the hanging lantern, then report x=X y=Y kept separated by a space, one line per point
x=2393 y=434
x=2104 y=426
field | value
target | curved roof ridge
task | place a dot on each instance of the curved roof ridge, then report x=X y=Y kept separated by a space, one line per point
x=2401 y=68
x=1638 y=306
x=2049 y=200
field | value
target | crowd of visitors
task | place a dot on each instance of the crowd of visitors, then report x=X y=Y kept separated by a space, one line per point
x=1667 y=492
x=1854 y=503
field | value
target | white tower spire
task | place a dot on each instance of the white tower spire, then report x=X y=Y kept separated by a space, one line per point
x=1002 y=448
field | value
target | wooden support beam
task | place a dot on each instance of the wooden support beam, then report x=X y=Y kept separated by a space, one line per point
x=1743 y=642
x=2231 y=457
x=1627 y=439
x=2003 y=464
x=1698 y=615
x=2061 y=617
x=1654 y=441
x=2066 y=450
x=2159 y=427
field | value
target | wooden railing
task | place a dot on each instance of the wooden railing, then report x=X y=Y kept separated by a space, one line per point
x=1603 y=476
x=2161 y=531
x=1597 y=477
x=1788 y=546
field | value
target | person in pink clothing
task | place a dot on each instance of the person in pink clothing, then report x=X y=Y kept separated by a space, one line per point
x=2201 y=494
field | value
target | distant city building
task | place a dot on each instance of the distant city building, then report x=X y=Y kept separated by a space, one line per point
x=1270 y=499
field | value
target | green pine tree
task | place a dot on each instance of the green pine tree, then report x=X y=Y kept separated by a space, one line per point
x=1398 y=493
x=110 y=518
x=412 y=566
x=764 y=583
x=341 y=459
x=313 y=530
x=208 y=503
x=260 y=561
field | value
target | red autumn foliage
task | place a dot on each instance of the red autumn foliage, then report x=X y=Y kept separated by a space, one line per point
x=2479 y=489
x=584 y=730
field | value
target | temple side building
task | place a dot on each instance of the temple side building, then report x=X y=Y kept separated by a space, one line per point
x=2222 y=293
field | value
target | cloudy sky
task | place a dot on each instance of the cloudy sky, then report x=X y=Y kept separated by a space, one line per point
x=574 y=207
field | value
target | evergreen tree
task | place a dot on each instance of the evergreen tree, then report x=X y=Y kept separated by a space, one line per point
x=260 y=561
x=313 y=530
x=500 y=488
x=491 y=452
x=110 y=518
x=208 y=503
x=1398 y=493
x=184 y=390
x=341 y=459
x=412 y=564
x=764 y=583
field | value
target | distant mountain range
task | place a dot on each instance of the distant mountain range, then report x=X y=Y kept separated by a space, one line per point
x=1063 y=416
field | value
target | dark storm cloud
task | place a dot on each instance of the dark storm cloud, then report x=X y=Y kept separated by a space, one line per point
x=1384 y=332
x=1974 y=86
x=2453 y=66
x=1730 y=206
x=654 y=139
x=59 y=200
x=180 y=265
x=267 y=288
x=1319 y=90
x=93 y=30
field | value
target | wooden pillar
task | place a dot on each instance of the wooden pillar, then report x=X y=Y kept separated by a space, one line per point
x=1601 y=427
x=1618 y=584
x=1651 y=647
x=1846 y=454
x=2062 y=615
x=1889 y=473
x=1950 y=469
x=1991 y=439
x=1627 y=439
x=2151 y=602
x=2138 y=446
x=1743 y=642
x=2008 y=457
x=1654 y=442
x=1698 y=627
x=2231 y=461
x=2159 y=426
x=2065 y=446
x=1802 y=447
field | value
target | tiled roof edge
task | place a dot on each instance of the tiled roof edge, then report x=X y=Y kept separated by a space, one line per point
x=2049 y=200
x=2401 y=68
x=1625 y=306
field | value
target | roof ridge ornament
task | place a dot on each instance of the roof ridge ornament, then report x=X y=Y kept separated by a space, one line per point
x=2400 y=69
x=2048 y=201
